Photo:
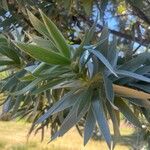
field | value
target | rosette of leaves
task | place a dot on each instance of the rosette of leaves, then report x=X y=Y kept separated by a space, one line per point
x=64 y=83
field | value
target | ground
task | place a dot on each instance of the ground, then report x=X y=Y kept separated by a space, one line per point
x=13 y=137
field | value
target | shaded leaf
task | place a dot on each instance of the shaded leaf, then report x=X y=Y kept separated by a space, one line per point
x=103 y=46
x=89 y=126
x=126 y=111
x=98 y=110
x=7 y=106
x=87 y=38
x=5 y=62
x=71 y=119
x=136 y=62
x=47 y=86
x=66 y=101
x=133 y=75
x=114 y=119
x=28 y=87
x=87 y=6
x=85 y=98
x=146 y=112
x=108 y=88
x=144 y=87
x=139 y=102
x=10 y=53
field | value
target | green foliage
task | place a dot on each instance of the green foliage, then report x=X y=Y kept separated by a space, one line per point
x=48 y=56
x=53 y=82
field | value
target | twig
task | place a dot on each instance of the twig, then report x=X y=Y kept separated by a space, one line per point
x=134 y=51
x=144 y=42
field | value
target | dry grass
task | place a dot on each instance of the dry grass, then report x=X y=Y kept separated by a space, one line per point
x=13 y=137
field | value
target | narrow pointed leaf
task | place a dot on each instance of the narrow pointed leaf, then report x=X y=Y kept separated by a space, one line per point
x=89 y=126
x=136 y=62
x=28 y=87
x=144 y=87
x=98 y=111
x=87 y=38
x=47 y=86
x=37 y=24
x=9 y=83
x=114 y=119
x=28 y=77
x=104 y=61
x=112 y=54
x=39 y=68
x=17 y=104
x=10 y=53
x=103 y=47
x=108 y=88
x=139 y=102
x=87 y=5
x=7 y=106
x=42 y=54
x=72 y=119
x=66 y=101
x=44 y=43
x=146 y=112
x=126 y=111
x=85 y=98
x=6 y=62
x=133 y=75
x=56 y=35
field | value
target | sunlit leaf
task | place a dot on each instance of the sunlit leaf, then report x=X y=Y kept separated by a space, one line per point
x=104 y=61
x=37 y=24
x=48 y=56
x=56 y=35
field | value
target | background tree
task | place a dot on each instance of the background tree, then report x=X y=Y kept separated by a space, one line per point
x=93 y=65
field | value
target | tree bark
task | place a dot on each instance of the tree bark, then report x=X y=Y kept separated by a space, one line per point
x=129 y=92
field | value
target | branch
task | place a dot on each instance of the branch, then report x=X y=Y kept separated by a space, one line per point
x=144 y=42
x=139 y=13
x=129 y=92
